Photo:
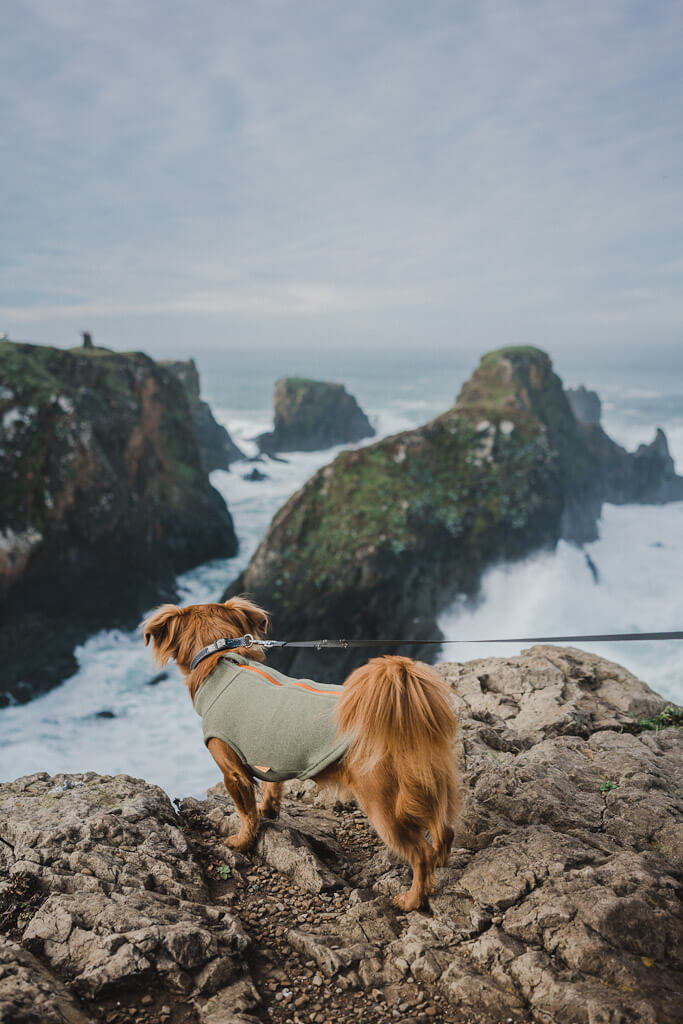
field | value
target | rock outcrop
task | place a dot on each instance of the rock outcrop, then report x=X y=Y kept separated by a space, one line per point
x=311 y=415
x=101 y=491
x=380 y=541
x=647 y=475
x=585 y=405
x=216 y=447
x=561 y=903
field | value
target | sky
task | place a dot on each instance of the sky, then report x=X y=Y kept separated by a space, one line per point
x=401 y=176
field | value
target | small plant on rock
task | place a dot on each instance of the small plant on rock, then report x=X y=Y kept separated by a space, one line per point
x=668 y=717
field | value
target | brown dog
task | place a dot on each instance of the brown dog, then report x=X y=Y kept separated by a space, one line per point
x=398 y=760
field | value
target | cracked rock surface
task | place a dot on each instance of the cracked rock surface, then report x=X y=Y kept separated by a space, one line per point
x=561 y=902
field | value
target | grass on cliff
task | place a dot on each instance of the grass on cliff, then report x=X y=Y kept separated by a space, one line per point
x=670 y=717
x=402 y=492
x=114 y=396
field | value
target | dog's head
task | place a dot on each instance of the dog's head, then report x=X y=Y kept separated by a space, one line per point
x=179 y=633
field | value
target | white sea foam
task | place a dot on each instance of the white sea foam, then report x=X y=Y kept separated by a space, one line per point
x=639 y=560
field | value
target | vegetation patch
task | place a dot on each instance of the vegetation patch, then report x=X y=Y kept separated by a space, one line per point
x=670 y=717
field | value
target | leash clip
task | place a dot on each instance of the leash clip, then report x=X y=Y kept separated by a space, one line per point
x=320 y=644
x=249 y=640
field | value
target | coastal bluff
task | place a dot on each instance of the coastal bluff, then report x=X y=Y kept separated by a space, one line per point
x=216 y=447
x=101 y=489
x=377 y=543
x=560 y=904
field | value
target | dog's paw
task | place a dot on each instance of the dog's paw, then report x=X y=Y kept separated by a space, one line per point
x=407 y=901
x=268 y=811
x=238 y=844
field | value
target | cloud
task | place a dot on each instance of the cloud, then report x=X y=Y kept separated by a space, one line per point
x=293 y=300
x=497 y=164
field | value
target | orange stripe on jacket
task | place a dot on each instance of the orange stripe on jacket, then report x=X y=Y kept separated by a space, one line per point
x=302 y=686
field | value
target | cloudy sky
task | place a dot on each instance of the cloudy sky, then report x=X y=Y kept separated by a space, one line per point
x=369 y=173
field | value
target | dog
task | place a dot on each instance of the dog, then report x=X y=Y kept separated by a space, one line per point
x=386 y=735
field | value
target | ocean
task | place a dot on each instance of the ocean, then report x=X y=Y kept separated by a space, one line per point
x=154 y=733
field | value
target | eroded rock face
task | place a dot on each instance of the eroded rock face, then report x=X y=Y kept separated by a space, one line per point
x=31 y=994
x=92 y=833
x=561 y=903
x=311 y=415
x=585 y=404
x=379 y=542
x=127 y=902
x=101 y=490
x=216 y=447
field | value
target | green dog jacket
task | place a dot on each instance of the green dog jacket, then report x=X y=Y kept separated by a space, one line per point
x=281 y=728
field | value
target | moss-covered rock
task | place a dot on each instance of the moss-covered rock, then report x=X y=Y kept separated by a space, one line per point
x=216 y=447
x=378 y=542
x=311 y=415
x=103 y=499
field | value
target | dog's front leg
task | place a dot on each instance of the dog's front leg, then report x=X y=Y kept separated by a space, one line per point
x=271 y=800
x=240 y=787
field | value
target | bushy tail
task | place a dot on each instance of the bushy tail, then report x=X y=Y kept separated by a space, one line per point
x=399 y=715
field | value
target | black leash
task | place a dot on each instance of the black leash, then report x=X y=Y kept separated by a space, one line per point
x=321 y=645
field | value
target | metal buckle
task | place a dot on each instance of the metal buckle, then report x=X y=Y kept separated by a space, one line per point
x=250 y=640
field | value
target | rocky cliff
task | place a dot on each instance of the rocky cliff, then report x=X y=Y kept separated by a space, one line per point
x=646 y=475
x=103 y=499
x=561 y=903
x=585 y=404
x=216 y=447
x=311 y=415
x=380 y=541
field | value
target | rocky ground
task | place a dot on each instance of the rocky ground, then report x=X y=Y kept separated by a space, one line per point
x=561 y=902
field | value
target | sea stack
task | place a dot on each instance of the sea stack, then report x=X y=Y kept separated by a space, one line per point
x=311 y=415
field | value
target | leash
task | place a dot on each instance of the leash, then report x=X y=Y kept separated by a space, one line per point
x=320 y=645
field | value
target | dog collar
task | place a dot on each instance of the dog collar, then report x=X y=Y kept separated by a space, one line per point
x=221 y=645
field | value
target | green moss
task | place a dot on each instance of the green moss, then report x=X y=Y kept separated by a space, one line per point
x=671 y=717
x=516 y=352
x=301 y=382
x=30 y=370
x=394 y=494
x=122 y=413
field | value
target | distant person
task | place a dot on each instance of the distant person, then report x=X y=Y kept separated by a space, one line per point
x=87 y=339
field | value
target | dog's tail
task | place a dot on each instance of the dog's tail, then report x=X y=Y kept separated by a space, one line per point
x=399 y=715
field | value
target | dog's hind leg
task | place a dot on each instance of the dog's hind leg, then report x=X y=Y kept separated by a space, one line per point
x=271 y=800
x=442 y=837
x=381 y=800
x=447 y=811
x=407 y=839
x=240 y=787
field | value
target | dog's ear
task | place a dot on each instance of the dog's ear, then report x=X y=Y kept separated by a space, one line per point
x=247 y=616
x=163 y=629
